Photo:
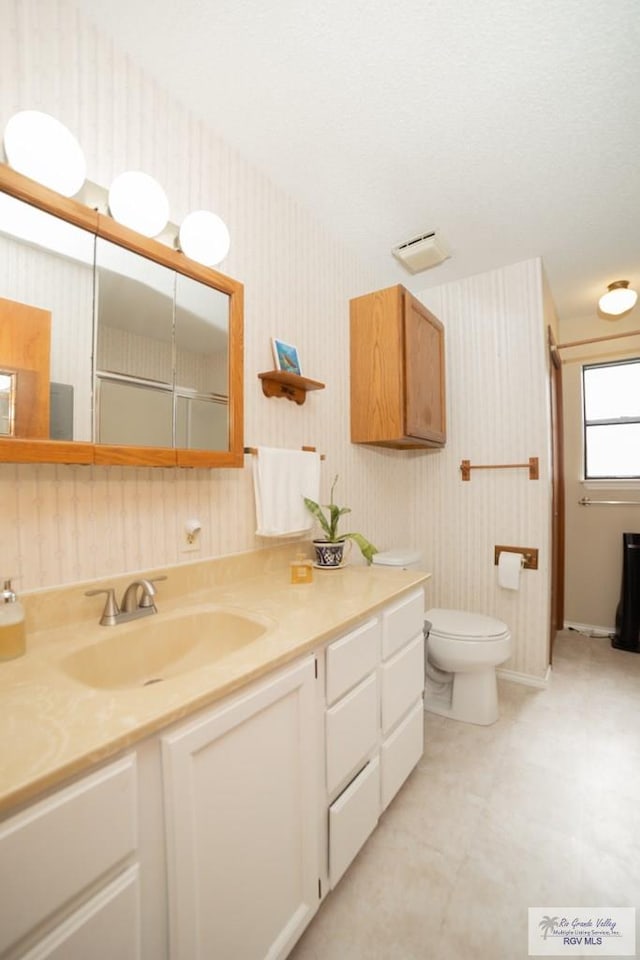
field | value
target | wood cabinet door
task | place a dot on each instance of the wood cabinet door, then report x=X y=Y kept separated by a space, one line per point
x=241 y=798
x=425 y=410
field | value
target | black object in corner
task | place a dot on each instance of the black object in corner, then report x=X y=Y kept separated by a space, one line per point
x=627 y=635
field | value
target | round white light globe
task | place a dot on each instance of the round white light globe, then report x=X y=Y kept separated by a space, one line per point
x=619 y=298
x=39 y=146
x=204 y=237
x=138 y=201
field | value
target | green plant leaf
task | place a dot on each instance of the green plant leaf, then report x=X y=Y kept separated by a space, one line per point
x=316 y=510
x=367 y=549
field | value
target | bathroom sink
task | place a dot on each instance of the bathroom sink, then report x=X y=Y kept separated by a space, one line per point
x=161 y=646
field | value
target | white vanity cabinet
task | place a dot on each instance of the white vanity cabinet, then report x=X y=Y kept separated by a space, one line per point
x=69 y=872
x=215 y=838
x=241 y=807
x=374 y=686
x=402 y=690
x=352 y=723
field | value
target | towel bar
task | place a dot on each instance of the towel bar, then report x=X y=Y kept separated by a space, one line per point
x=254 y=451
x=532 y=466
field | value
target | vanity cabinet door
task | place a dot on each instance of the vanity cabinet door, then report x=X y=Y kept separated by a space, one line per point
x=241 y=799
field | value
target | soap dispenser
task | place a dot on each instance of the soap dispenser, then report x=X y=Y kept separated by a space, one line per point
x=12 y=626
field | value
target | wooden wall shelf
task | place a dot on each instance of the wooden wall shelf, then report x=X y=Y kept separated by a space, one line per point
x=277 y=383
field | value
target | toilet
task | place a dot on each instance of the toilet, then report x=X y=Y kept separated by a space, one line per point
x=463 y=650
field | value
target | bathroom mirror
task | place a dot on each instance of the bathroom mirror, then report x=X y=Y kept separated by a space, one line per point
x=121 y=349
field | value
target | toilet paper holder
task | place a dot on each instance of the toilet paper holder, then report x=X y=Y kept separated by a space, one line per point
x=530 y=555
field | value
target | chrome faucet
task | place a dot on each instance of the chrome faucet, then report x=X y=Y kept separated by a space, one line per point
x=132 y=606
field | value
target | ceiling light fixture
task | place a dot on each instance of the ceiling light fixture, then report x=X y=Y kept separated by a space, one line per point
x=618 y=298
x=204 y=237
x=40 y=147
x=139 y=202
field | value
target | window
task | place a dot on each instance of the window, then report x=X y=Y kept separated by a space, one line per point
x=611 y=394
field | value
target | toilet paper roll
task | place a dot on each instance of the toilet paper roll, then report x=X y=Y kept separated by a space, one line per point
x=509 y=568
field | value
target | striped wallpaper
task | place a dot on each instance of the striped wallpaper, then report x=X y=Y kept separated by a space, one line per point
x=64 y=523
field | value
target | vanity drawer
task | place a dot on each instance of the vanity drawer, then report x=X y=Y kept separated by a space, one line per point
x=352 y=817
x=53 y=851
x=402 y=682
x=107 y=927
x=400 y=753
x=351 y=658
x=401 y=622
x=352 y=731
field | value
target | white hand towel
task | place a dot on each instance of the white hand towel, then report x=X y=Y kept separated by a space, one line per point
x=281 y=480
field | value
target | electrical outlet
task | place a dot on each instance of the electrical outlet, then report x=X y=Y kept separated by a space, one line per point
x=191 y=542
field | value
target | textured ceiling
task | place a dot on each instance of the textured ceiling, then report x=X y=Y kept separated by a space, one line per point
x=512 y=126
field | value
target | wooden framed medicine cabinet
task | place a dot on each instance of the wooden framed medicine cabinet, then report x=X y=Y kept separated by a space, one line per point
x=145 y=346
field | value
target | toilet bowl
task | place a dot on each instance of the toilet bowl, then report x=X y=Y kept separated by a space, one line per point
x=465 y=649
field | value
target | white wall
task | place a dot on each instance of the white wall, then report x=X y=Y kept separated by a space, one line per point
x=593 y=534
x=65 y=523
x=498 y=412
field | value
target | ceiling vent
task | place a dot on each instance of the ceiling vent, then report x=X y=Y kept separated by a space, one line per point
x=427 y=250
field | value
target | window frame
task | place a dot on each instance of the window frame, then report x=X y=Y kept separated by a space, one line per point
x=609 y=421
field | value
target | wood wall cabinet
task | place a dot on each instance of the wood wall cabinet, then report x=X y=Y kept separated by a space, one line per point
x=397 y=372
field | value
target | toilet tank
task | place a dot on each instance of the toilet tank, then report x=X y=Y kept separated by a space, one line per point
x=403 y=557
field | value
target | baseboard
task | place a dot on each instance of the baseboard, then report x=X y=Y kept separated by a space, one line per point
x=589 y=629
x=525 y=678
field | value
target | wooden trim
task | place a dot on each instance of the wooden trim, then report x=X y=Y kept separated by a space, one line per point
x=53 y=451
x=22 y=188
x=130 y=456
x=204 y=458
x=45 y=451
x=109 y=229
x=582 y=343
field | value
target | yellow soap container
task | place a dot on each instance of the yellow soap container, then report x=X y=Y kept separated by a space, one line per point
x=301 y=570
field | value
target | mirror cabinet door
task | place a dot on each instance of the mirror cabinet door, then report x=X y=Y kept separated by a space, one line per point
x=134 y=373
x=114 y=346
x=202 y=366
x=46 y=329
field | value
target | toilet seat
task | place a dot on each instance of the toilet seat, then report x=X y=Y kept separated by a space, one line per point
x=461 y=625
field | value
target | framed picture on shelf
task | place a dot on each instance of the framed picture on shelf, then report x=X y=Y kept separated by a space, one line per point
x=285 y=357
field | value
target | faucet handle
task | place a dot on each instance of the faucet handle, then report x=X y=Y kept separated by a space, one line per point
x=111 y=608
x=147 y=597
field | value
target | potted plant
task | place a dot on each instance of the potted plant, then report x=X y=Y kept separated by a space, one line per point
x=330 y=549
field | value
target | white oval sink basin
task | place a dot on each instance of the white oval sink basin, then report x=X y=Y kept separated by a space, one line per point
x=160 y=646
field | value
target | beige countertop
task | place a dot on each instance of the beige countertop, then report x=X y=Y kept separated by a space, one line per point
x=54 y=726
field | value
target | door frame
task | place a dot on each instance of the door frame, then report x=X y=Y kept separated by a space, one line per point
x=557 y=493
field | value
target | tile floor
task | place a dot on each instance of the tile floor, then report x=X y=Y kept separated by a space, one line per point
x=540 y=809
